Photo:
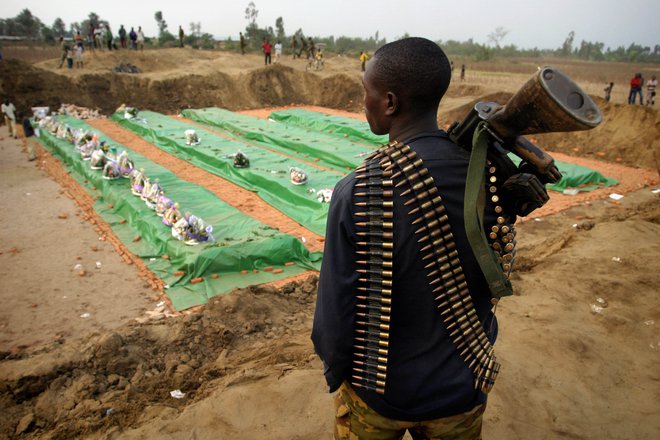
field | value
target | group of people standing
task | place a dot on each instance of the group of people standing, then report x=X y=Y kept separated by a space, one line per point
x=636 y=87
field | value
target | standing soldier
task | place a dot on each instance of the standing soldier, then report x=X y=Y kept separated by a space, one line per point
x=312 y=49
x=180 y=36
x=242 y=43
x=294 y=46
x=403 y=321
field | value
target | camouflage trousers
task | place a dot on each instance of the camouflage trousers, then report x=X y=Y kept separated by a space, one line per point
x=356 y=421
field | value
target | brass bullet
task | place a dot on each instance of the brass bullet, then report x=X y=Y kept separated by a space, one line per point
x=388 y=193
x=421 y=196
x=375 y=213
x=377 y=253
x=375 y=224
x=379 y=383
x=379 y=342
x=379 y=359
x=495 y=199
x=389 y=235
x=380 y=351
x=377 y=203
x=385 y=327
x=374 y=173
x=492 y=189
x=382 y=263
x=492 y=179
x=371 y=365
x=384 y=318
x=378 y=375
x=377 y=334
x=380 y=299
x=427 y=215
x=382 y=273
x=381 y=309
x=498 y=209
x=375 y=290
x=378 y=244
x=437 y=200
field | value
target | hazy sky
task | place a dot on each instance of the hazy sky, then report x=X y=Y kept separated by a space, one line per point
x=531 y=23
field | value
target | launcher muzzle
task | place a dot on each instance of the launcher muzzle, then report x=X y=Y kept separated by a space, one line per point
x=549 y=102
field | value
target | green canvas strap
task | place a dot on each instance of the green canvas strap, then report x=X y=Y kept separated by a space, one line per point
x=474 y=212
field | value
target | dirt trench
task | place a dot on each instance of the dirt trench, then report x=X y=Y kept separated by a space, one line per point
x=275 y=85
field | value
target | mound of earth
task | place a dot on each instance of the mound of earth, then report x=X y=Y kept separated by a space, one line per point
x=115 y=378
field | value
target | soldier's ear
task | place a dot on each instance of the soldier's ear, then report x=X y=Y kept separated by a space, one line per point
x=392 y=104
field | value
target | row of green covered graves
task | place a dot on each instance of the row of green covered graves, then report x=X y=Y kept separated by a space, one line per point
x=213 y=247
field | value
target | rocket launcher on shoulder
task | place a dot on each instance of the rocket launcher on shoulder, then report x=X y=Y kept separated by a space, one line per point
x=549 y=102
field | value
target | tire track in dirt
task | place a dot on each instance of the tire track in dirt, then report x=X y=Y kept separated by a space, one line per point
x=241 y=199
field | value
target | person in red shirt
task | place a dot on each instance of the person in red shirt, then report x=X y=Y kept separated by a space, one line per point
x=635 y=88
x=266 y=47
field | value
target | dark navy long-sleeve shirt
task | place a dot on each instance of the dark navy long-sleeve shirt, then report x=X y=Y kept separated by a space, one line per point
x=426 y=377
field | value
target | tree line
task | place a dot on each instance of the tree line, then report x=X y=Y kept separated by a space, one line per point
x=27 y=25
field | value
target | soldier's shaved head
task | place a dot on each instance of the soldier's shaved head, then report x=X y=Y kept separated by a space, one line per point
x=415 y=69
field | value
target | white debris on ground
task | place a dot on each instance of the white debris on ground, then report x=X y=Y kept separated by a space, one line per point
x=80 y=112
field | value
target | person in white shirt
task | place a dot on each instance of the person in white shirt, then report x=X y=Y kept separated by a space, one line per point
x=9 y=111
x=278 y=51
x=650 y=88
x=140 y=38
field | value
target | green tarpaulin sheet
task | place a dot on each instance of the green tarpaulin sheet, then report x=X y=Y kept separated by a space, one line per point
x=325 y=149
x=353 y=129
x=574 y=176
x=268 y=174
x=243 y=243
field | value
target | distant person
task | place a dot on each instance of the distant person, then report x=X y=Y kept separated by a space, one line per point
x=303 y=46
x=242 y=43
x=140 y=38
x=641 y=89
x=78 y=39
x=312 y=49
x=294 y=46
x=132 y=36
x=9 y=112
x=79 y=57
x=463 y=72
x=451 y=64
x=28 y=131
x=635 y=88
x=63 y=50
x=181 y=35
x=99 y=34
x=363 y=61
x=608 y=91
x=267 y=48
x=650 y=89
x=90 y=37
x=108 y=37
x=69 y=57
x=278 y=51
x=122 y=36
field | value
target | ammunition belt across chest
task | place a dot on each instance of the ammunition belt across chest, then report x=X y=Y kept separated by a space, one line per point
x=393 y=166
